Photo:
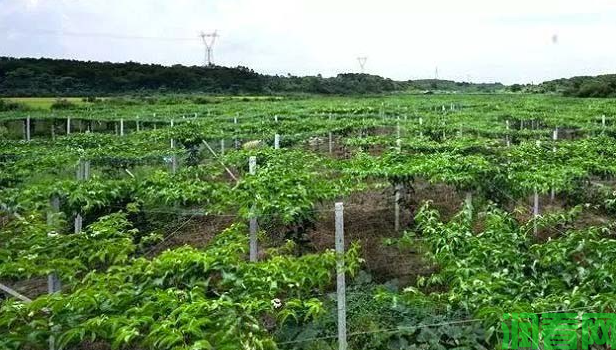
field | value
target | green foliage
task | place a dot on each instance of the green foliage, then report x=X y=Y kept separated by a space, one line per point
x=287 y=184
x=32 y=248
x=584 y=86
x=183 y=299
x=378 y=318
x=6 y=105
x=62 y=103
x=120 y=290
x=504 y=268
x=448 y=85
x=36 y=77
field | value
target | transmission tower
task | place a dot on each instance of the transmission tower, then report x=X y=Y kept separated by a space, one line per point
x=362 y=62
x=208 y=41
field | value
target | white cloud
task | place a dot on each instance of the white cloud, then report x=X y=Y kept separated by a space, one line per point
x=509 y=41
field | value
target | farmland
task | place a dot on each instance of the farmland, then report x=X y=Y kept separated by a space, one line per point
x=41 y=102
x=132 y=223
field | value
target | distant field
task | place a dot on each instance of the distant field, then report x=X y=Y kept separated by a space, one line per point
x=42 y=102
x=46 y=102
x=256 y=98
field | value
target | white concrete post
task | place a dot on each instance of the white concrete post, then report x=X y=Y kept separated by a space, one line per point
x=507 y=136
x=340 y=277
x=27 y=128
x=252 y=166
x=236 y=144
x=420 y=126
x=83 y=173
x=468 y=202
x=398 y=190
x=174 y=159
x=535 y=210
x=53 y=282
x=554 y=138
x=603 y=121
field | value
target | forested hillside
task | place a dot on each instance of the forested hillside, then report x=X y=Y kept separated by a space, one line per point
x=584 y=86
x=450 y=85
x=49 y=77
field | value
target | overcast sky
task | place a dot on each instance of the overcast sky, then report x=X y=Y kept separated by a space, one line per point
x=512 y=41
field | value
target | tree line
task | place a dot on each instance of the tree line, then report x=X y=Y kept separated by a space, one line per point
x=583 y=86
x=53 y=77
x=60 y=77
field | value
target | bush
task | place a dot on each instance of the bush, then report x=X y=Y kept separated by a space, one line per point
x=6 y=106
x=595 y=89
x=126 y=101
x=199 y=100
x=516 y=88
x=62 y=103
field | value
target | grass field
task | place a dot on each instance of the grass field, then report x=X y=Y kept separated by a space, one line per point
x=43 y=102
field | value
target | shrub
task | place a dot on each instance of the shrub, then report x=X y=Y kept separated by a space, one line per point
x=6 y=106
x=62 y=103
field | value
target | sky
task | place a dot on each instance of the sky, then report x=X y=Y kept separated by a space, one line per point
x=513 y=41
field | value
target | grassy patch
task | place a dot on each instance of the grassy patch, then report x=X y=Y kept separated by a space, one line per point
x=43 y=102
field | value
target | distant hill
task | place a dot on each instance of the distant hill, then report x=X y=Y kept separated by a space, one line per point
x=450 y=85
x=50 y=77
x=583 y=86
x=53 y=77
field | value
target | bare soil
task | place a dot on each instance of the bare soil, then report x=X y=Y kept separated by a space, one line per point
x=197 y=232
x=369 y=220
x=31 y=288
